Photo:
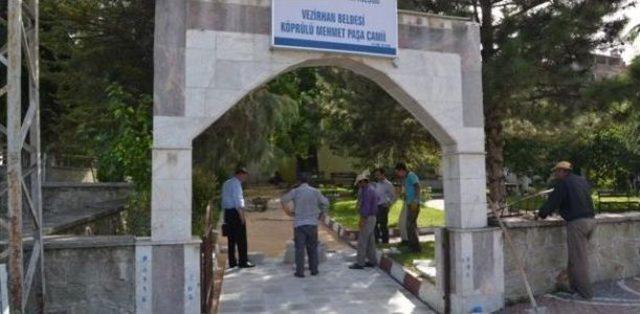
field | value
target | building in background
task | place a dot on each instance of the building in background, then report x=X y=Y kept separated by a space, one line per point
x=607 y=66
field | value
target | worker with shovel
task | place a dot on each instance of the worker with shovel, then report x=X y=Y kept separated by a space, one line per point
x=572 y=198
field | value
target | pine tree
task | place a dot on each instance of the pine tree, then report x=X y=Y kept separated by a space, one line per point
x=536 y=56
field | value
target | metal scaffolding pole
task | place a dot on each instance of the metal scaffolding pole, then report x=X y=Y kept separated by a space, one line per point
x=23 y=161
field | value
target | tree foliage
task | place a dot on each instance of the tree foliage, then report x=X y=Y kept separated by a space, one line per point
x=365 y=122
x=602 y=140
x=536 y=62
x=87 y=46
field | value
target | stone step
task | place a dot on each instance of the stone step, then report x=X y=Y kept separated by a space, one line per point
x=426 y=267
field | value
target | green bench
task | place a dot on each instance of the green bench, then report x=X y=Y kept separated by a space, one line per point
x=612 y=199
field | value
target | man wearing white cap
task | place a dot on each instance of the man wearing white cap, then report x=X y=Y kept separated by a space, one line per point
x=572 y=198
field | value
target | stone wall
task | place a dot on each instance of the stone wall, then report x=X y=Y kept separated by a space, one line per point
x=542 y=246
x=60 y=196
x=90 y=275
x=69 y=174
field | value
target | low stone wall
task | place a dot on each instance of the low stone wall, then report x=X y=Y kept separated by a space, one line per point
x=90 y=275
x=542 y=246
x=61 y=196
x=69 y=174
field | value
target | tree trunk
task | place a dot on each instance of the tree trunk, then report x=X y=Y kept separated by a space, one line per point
x=495 y=157
x=494 y=115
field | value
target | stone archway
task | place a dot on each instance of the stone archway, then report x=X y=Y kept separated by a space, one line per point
x=209 y=55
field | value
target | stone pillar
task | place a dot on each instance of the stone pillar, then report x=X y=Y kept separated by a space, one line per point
x=167 y=277
x=171 y=195
x=168 y=265
x=465 y=190
x=476 y=265
x=476 y=279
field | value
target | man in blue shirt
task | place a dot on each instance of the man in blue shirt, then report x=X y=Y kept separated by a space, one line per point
x=412 y=202
x=308 y=205
x=234 y=219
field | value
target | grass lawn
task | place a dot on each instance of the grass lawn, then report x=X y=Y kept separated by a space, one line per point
x=406 y=257
x=610 y=205
x=344 y=212
x=336 y=190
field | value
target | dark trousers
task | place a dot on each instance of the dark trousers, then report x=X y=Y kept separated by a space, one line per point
x=413 y=211
x=306 y=237
x=236 y=237
x=382 y=224
x=579 y=233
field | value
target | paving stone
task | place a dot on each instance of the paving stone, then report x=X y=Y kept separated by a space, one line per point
x=336 y=290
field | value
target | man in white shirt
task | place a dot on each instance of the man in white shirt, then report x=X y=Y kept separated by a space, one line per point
x=386 y=197
x=235 y=225
x=308 y=205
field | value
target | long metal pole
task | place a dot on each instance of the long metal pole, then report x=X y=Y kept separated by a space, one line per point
x=34 y=140
x=14 y=152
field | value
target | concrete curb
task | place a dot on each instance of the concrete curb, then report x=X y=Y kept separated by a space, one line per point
x=352 y=235
x=424 y=290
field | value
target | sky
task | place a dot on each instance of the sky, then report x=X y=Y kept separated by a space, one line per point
x=632 y=49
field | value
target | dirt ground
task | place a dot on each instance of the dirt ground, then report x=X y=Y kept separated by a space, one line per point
x=269 y=231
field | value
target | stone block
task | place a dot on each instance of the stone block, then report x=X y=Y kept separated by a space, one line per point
x=200 y=68
x=465 y=191
x=234 y=46
x=168 y=279
x=448 y=114
x=464 y=166
x=465 y=215
x=218 y=101
x=417 y=87
x=477 y=269
x=230 y=75
x=171 y=194
x=472 y=99
x=202 y=39
x=192 y=274
x=444 y=64
x=194 y=102
x=415 y=62
x=447 y=88
x=171 y=216
x=171 y=164
x=470 y=140
x=169 y=81
x=172 y=132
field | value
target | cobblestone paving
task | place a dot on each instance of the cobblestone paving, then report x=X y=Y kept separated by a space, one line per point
x=272 y=288
x=612 y=297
